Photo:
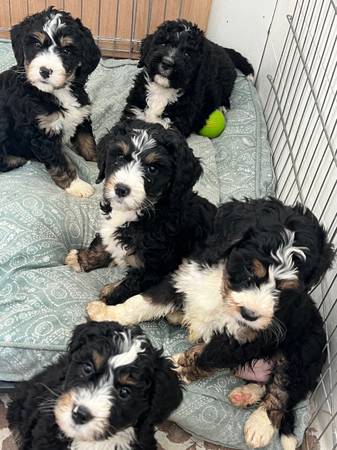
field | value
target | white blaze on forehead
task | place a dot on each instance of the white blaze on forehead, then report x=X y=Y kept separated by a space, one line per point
x=142 y=141
x=131 y=350
x=284 y=268
x=52 y=25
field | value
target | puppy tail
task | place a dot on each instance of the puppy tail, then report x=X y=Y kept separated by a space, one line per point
x=240 y=62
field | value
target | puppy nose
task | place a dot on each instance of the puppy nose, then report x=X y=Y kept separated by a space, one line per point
x=167 y=63
x=248 y=314
x=122 y=190
x=81 y=415
x=45 y=73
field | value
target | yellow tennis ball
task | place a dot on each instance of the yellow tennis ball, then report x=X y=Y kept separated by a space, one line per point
x=215 y=124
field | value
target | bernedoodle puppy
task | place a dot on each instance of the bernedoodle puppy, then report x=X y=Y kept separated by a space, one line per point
x=245 y=297
x=107 y=392
x=151 y=216
x=185 y=77
x=43 y=102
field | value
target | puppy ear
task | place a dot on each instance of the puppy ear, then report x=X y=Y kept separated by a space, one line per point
x=103 y=148
x=166 y=393
x=91 y=54
x=187 y=167
x=18 y=33
x=144 y=49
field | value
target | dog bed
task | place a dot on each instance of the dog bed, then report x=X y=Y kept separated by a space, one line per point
x=41 y=300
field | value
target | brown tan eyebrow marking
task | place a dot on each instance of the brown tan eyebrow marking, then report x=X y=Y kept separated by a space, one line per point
x=258 y=268
x=152 y=157
x=124 y=147
x=125 y=378
x=40 y=36
x=98 y=359
x=65 y=41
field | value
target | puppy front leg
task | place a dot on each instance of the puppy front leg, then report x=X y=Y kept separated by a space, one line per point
x=187 y=367
x=85 y=260
x=84 y=141
x=60 y=167
x=136 y=309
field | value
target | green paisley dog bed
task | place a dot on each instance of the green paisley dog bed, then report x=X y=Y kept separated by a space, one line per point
x=41 y=300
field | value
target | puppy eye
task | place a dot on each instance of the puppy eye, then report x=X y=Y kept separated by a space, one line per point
x=186 y=54
x=152 y=170
x=87 y=369
x=119 y=159
x=37 y=44
x=66 y=50
x=124 y=392
x=163 y=44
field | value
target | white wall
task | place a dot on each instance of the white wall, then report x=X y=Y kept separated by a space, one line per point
x=245 y=24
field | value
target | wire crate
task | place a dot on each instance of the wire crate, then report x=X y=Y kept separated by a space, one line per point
x=301 y=113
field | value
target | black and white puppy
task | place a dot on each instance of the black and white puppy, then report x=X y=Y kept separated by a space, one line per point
x=245 y=296
x=185 y=77
x=151 y=217
x=43 y=103
x=107 y=392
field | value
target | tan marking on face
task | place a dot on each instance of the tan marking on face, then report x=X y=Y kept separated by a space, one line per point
x=64 y=403
x=98 y=359
x=288 y=284
x=126 y=378
x=110 y=183
x=152 y=158
x=40 y=36
x=65 y=41
x=258 y=268
x=124 y=147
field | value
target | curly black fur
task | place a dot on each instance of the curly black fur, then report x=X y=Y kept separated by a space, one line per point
x=134 y=395
x=168 y=221
x=202 y=74
x=261 y=307
x=34 y=112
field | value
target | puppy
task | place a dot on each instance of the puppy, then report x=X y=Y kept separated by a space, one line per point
x=43 y=103
x=107 y=392
x=185 y=77
x=151 y=217
x=244 y=296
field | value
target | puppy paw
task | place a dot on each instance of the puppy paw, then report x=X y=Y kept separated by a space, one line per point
x=288 y=442
x=72 y=261
x=193 y=336
x=107 y=291
x=247 y=395
x=175 y=318
x=97 y=311
x=80 y=188
x=258 y=429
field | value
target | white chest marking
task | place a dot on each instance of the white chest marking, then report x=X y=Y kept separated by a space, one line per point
x=67 y=121
x=157 y=98
x=122 y=440
x=108 y=227
x=204 y=306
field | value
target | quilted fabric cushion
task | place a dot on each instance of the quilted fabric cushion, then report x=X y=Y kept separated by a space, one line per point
x=41 y=300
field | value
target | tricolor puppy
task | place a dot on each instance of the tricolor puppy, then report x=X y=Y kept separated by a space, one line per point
x=106 y=393
x=43 y=103
x=185 y=77
x=151 y=218
x=245 y=297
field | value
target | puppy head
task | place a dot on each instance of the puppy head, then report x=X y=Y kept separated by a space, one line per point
x=143 y=164
x=54 y=49
x=172 y=54
x=254 y=279
x=115 y=380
